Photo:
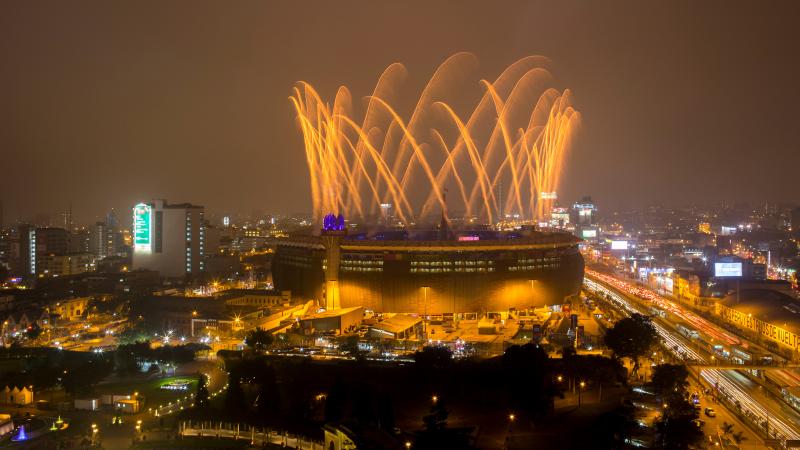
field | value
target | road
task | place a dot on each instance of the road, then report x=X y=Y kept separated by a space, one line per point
x=757 y=404
x=713 y=426
x=784 y=421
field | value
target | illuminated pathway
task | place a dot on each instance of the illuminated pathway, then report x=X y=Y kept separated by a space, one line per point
x=784 y=422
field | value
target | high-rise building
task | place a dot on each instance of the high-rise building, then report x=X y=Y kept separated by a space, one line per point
x=35 y=244
x=98 y=242
x=559 y=217
x=795 y=221
x=584 y=212
x=106 y=238
x=5 y=249
x=169 y=238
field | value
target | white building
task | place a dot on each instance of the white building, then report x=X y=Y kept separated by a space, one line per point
x=169 y=238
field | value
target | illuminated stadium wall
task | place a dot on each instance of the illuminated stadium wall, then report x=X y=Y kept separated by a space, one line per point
x=435 y=277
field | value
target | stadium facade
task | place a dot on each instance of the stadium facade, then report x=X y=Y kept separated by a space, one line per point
x=480 y=272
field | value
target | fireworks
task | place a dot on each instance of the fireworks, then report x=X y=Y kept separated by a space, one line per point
x=502 y=158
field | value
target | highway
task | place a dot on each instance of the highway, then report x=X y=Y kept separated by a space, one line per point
x=784 y=422
x=756 y=403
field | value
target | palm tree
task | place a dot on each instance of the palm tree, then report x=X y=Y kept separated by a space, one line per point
x=727 y=428
x=738 y=437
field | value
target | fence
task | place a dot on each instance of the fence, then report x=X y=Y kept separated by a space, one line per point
x=256 y=435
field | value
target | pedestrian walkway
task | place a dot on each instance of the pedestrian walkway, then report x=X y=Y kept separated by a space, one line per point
x=256 y=436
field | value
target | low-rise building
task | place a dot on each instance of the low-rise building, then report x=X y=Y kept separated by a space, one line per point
x=20 y=320
x=770 y=316
x=259 y=298
x=67 y=264
x=15 y=395
x=340 y=321
x=70 y=309
x=399 y=326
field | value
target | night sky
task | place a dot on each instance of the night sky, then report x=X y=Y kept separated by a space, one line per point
x=103 y=104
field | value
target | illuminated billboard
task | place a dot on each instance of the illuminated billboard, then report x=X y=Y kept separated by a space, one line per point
x=728 y=269
x=142 y=228
x=549 y=196
x=589 y=234
x=619 y=245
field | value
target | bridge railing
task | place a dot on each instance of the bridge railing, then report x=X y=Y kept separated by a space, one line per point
x=256 y=435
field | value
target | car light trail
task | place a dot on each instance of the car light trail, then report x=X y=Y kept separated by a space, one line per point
x=673 y=343
x=724 y=380
x=693 y=319
x=721 y=380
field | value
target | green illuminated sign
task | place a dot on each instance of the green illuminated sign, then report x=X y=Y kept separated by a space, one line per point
x=142 y=220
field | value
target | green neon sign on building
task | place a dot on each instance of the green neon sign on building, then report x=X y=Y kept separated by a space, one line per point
x=142 y=221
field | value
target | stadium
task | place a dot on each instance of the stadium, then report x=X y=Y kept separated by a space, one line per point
x=481 y=272
x=499 y=158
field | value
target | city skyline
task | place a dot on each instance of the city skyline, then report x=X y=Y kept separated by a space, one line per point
x=416 y=225
x=197 y=109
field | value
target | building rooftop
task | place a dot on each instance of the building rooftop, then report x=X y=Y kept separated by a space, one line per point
x=769 y=306
x=332 y=313
x=397 y=323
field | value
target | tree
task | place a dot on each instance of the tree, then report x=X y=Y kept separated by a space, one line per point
x=127 y=357
x=362 y=405
x=677 y=428
x=738 y=437
x=528 y=379
x=436 y=435
x=434 y=357
x=133 y=334
x=234 y=395
x=386 y=413
x=201 y=397
x=611 y=429
x=82 y=374
x=349 y=344
x=632 y=337
x=268 y=396
x=335 y=401
x=259 y=339
x=33 y=331
x=727 y=428
x=670 y=380
x=437 y=419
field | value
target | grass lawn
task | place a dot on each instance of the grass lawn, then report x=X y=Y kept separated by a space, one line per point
x=150 y=388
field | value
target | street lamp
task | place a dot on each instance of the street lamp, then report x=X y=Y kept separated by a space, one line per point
x=435 y=398
x=580 y=389
x=408 y=444
x=511 y=417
